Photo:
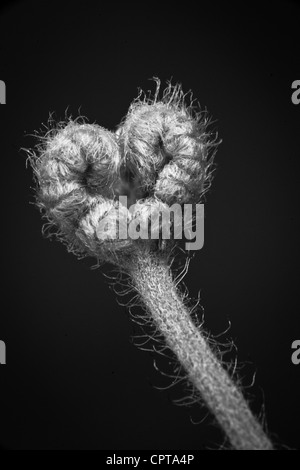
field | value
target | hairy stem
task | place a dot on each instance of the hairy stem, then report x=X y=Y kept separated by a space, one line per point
x=153 y=280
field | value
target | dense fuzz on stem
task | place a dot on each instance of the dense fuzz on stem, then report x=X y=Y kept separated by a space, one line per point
x=161 y=153
x=153 y=280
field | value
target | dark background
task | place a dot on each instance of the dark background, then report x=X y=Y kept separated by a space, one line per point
x=73 y=378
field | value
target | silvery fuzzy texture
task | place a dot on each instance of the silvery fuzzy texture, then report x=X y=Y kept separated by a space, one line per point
x=147 y=210
x=77 y=170
x=167 y=147
x=166 y=307
x=160 y=154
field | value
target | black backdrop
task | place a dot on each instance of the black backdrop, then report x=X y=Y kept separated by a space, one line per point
x=73 y=378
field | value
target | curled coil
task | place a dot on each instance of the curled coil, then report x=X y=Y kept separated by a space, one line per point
x=160 y=154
